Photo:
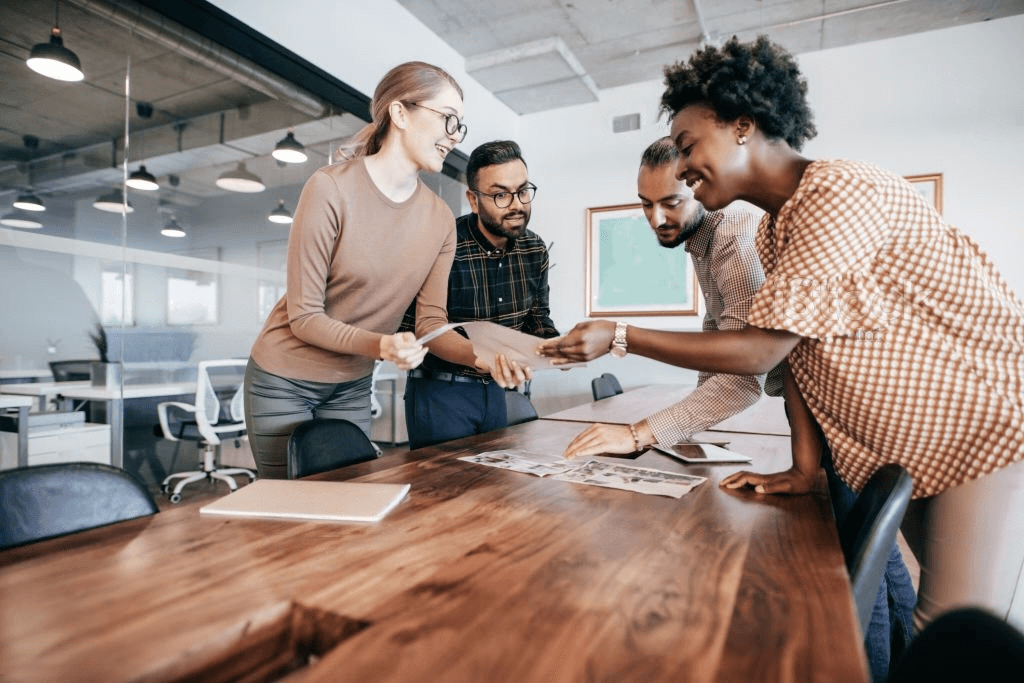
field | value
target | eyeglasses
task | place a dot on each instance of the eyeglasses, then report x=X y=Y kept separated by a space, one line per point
x=503 y=200
x=452 y=125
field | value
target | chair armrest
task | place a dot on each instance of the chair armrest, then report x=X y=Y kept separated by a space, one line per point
x=161 y=411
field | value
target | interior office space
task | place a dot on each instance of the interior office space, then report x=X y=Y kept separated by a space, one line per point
x=944 y=102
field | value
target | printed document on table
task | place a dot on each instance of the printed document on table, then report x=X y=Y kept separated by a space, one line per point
x=490 y=339
x=610 y=475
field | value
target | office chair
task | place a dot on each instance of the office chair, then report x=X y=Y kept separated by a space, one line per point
x=71 y=370
x=519 y=408
x=868 y=532
x=604 y=386
x=212 y=421
x=326 y=444
x=965 y=644
x=43 y=501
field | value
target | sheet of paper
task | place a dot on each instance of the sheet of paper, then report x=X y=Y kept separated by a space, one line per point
x=609 y=475
x=434 y=334
x=490 y=339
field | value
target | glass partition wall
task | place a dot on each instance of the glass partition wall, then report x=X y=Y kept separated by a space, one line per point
x=145 y=209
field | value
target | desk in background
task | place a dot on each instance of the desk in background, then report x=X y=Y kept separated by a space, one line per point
x=22 y=405
x=113 y=399
x=44 y=392
x=482 y=574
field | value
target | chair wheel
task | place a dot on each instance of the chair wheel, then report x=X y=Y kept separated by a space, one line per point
x=175 y=497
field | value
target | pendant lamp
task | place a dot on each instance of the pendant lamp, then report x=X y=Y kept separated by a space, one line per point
x=290 y=150
x=142 y=180
x=240 y=180
x=113 y=202
x=27 y=201
x=52 y=59
x=281 y=214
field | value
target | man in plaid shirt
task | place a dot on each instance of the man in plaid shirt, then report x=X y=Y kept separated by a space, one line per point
x=500 y=274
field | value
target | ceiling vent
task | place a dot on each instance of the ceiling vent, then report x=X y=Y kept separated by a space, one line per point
x=625 y=123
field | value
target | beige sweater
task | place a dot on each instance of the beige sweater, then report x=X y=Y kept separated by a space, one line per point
x=356 y=260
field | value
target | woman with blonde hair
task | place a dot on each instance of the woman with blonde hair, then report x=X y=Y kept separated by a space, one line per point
x=367 y=240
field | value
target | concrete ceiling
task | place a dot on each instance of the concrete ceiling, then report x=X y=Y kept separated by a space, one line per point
x=536 y=55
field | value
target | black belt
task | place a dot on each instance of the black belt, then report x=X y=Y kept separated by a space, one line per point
x=420 y=373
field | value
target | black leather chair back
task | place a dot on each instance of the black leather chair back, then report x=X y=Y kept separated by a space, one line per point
x=43 y=501
x=71 y=370
x=966 y=644
x=604 y=386
x=869 y=531
x=519 y=408
x=326 y=444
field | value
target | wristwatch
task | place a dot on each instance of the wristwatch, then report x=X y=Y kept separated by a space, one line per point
x=618 y=349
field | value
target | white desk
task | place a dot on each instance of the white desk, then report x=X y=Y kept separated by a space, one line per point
x=22 y=403
x=114 y=397
x=43 y=391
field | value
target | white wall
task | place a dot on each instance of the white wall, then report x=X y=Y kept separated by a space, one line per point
x=359 y=41
x=945 y=102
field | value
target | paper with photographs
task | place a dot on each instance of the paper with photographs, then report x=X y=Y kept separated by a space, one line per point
x=610 y=475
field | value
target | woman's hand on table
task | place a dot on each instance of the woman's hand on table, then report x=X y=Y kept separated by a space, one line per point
x=792 y=481
x=598 y=439
x=402 y=349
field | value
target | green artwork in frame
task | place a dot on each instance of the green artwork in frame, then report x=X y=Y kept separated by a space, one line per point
x=629 y=273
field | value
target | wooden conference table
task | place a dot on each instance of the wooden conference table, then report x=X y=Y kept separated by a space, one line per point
x=482 y=574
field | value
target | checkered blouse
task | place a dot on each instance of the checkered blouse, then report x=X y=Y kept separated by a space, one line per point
x=913 y=348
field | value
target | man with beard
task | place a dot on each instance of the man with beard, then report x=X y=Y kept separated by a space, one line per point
x=500 y=274
x=721 y=247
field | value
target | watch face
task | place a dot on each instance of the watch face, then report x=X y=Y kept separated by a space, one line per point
x=617 y=352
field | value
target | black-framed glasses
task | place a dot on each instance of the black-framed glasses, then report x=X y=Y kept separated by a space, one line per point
x=503 y=200
x=452 y=125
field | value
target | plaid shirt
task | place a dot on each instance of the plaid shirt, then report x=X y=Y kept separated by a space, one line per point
x=729 y=272
x=506 y=286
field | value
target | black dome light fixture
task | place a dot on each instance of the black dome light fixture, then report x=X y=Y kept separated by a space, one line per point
x=20 y=219
x=240 y=180
x=289 y=150
x=28 y=201
x=172 y=228
x=142 y=180
x=52 y=59
x=113 y=202
x=281 y=214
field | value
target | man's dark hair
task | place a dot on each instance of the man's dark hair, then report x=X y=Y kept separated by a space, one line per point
x=491 y=154
x=660 y=153
x=758 y=79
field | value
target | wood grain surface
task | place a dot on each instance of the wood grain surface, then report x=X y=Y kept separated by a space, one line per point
x=481 y=574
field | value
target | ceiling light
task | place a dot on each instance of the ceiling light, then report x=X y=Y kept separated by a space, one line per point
x=142 y=180
x=240 y=180
x=113 y=202
x=280 y=214
x=20 y=219
x=53 y=60
x=290 y=150
x=29 y=202
x=172 y=229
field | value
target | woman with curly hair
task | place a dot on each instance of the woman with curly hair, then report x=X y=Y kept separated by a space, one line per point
x=904 y=343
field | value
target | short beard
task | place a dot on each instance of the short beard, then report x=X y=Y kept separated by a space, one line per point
x=496 y=228
x=688 y=231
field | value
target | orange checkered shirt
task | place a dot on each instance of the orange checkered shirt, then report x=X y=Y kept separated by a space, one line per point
x=913 y=344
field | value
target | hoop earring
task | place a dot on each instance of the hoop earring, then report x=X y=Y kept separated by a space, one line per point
x=742 y=140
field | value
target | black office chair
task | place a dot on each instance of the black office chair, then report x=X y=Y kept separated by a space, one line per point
x=966 y=644
x=71 y=370
x=868 y=532
x=44 y=501
x=604 y=386
x=519 y=408
x=326 y=444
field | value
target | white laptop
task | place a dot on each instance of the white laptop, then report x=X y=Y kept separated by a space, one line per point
x=341 y=501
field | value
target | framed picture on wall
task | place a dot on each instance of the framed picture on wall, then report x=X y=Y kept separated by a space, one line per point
x=929 y=186
x=629 y=273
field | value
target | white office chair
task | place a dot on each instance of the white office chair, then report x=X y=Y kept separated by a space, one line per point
x=212 y=420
